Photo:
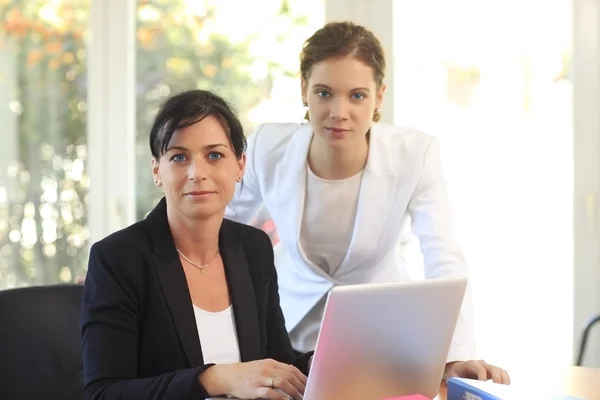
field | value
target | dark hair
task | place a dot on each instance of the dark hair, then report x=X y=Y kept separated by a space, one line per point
x=186 y=109
x=338 y=39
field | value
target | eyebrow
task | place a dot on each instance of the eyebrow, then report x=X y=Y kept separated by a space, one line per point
x=364 y=89
x=207 y=147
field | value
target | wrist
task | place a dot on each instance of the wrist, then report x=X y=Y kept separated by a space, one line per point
x=212 y=382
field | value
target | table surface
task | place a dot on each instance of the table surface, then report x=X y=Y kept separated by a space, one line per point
x=572 y=381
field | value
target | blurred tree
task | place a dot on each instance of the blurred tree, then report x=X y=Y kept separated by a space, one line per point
x=43 y=230
x=43 y=214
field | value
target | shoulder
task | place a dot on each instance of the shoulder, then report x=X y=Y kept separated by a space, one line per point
x=272 y=136
x=400 y=150
x=401 y=137
x=135 y=236
x=122 y=255
x=402 y=146
x=252 y=239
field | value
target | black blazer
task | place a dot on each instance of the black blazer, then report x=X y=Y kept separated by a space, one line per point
x=138 y=330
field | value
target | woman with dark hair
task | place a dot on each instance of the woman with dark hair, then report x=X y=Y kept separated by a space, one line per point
x=342 y=187
x=185 y=304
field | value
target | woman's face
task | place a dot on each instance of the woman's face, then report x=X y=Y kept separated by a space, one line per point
x=199 y=170
x=342 y=97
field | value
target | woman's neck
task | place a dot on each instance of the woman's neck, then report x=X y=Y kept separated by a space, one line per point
x=337 y=163
x=197 y=239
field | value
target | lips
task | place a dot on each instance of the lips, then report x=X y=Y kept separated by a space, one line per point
x=337 y=133
x=199 y=193
x=337 y=130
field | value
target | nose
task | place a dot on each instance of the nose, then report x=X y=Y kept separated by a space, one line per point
x=339 y=109
x=196 y=172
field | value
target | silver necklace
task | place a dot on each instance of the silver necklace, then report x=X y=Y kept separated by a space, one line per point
x=200 y=267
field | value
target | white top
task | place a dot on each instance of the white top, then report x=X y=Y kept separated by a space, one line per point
x=218 y=336
x=328 y=220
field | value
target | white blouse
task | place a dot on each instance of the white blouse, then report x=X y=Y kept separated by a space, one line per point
x=218 y=336
x=328 y=219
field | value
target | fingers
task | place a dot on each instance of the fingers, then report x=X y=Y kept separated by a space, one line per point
x=484 y=371
x=505 y=377
x=497 y=375
x=294 y=371
x=284 y=377
x=480 y=371
x=290 y=380
x=494 y=373
x=288 y=388
x=295 y=382
x=279 y=388
x=274 y=394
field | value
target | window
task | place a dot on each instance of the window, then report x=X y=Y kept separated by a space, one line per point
x=246 y=51
x=43 y=176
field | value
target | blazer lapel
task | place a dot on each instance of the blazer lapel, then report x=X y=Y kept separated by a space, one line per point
x=241 y=291
x=377 y=193
x=173 y=283
x=287 y=198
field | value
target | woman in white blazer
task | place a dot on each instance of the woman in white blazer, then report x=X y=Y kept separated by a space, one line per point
x=340 y=190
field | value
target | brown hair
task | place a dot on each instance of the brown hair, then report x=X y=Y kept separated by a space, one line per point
x=339 y=39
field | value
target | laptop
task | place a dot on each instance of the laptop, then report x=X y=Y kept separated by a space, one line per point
x=382 y=340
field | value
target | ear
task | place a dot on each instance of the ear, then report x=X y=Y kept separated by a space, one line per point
x=379 y=96
x=303 y=90
x=156 y=172
x=242 y=165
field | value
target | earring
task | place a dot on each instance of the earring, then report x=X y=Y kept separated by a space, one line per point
x=306 y=116
x=376 y=115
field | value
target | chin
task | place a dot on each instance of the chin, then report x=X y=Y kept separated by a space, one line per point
x=341 y=143
x=204 y=211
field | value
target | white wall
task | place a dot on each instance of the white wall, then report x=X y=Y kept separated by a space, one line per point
x=586 y=118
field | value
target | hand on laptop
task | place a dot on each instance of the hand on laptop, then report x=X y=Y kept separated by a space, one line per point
x=262 y=379
x=476 y=369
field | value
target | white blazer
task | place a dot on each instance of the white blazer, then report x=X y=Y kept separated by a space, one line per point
x=403 y=178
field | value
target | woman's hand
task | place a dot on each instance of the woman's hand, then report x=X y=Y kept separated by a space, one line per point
x=479 y=370
x=262 y=379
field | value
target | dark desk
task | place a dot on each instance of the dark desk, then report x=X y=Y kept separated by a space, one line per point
x=572 y=381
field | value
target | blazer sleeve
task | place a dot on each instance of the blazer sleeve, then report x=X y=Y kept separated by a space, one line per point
x=247 y=201
x=109 y=334
x=279 y=346
x=431 y=219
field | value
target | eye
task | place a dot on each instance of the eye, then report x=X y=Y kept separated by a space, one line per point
x=213 y=155
x=323 y=93
x=178 y=158
x=358 y=96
